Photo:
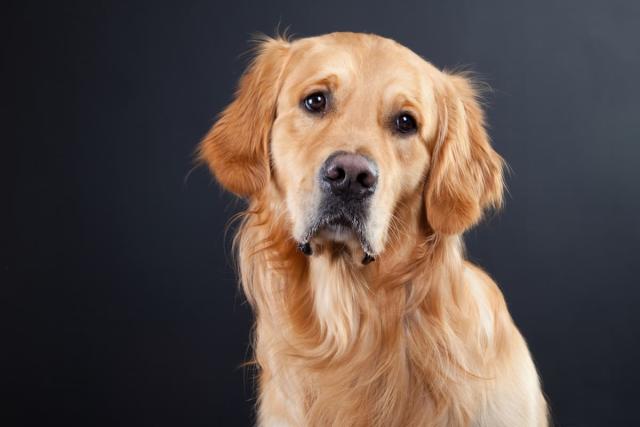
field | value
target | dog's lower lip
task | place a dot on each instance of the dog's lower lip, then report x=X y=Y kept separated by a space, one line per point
x=339 y=228
x=305 y=248
x=340 y=225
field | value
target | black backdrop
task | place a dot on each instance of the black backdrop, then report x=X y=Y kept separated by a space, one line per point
x=119 y=300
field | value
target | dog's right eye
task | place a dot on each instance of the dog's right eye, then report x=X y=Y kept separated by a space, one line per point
x=316 y=102
x=405 y=123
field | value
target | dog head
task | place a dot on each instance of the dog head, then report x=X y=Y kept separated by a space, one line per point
x=343 y=128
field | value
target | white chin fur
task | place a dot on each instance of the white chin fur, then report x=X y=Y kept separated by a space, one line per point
x=337 y=233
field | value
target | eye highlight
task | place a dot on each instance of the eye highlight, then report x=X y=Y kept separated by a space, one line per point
x=315 y=103
x=405 y=123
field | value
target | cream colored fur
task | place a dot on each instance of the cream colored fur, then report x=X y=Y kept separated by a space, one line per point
x=420 y=337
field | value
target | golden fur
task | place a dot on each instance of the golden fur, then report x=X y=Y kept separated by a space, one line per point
x=420 y=337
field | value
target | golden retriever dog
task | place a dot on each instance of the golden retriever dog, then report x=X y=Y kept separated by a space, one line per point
x=362 y=165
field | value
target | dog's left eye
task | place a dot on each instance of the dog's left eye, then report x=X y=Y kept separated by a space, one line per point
x=405 y=123
x=316 y=102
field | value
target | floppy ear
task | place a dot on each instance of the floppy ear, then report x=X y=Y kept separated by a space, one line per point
x=466 y=173
x=236 y=148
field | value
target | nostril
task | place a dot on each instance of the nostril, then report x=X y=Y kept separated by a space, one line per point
x=335 y=173
x=365 y=179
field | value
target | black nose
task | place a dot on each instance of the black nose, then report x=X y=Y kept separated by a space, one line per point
x=350 y=175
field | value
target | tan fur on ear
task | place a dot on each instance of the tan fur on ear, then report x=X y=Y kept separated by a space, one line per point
x=466 y=174
x=237 y=146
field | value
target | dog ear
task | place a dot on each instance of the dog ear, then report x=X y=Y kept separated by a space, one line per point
x=237 y=146
x=466 y=173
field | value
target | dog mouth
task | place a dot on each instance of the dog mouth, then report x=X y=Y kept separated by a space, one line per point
x=340 y=227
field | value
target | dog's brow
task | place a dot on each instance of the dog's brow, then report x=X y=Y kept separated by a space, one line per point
x=406 y=102
x=330 y=81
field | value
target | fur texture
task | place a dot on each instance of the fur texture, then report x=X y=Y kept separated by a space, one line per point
x=420 y=337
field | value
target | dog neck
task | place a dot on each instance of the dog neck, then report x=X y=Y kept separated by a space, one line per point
x=330 y=314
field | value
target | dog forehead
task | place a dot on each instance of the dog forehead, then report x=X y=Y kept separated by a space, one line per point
x=369 y=45
x=341 y=58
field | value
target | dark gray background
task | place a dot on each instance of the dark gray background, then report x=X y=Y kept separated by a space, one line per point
x=120 y=303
